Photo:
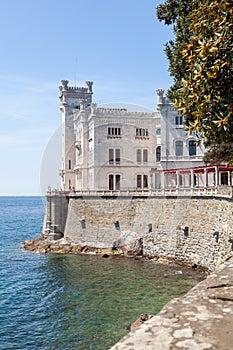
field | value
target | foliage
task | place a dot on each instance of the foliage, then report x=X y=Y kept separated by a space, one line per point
x=175 y=13
x=217 y=153
x=201 y=64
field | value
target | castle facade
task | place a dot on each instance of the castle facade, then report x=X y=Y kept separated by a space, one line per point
x=112 y=149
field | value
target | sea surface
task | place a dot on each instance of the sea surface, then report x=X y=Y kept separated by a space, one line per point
x=59 y=302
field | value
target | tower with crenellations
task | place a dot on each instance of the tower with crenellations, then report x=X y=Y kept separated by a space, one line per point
x=72 y=98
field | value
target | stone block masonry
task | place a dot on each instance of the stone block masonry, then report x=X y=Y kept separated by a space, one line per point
x=55 y=215
x=192 y=230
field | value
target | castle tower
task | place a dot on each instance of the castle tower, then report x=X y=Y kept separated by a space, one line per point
x=70 y=99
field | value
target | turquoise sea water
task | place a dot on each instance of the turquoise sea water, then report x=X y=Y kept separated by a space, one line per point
x=59 y=302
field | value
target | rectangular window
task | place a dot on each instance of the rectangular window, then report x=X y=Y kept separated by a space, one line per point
x=111 y=155
x=179 y=148
x=118 y=182
x=139 y=181
x=192 y=148
x=158 y=154
x=70 y=164
x=114 y=156
x=142 y=181
x=110 y=182
x=114 y=182
x=145 y=156
x=142 y=132
x=179 y=120
x=139 y=156
x=117 y=156
x=114 y=131
x=145 y=181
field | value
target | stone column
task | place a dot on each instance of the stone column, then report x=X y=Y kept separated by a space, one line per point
x=177 y=180
x=151 y=181
x=192 y=179
x=229 y=178
x=162 y=179
x=205 y=178
x=216 y=176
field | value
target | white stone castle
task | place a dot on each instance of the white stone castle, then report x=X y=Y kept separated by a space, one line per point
x=113 y=149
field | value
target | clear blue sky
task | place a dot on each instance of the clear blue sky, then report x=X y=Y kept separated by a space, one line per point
x=118 y=44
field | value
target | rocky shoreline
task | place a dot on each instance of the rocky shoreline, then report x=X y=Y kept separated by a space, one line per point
x=65 y=246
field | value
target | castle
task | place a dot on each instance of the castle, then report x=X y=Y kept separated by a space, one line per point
x=116 y=149
x=137 y=177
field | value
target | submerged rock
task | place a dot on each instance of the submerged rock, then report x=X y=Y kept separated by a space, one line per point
x=143 y=318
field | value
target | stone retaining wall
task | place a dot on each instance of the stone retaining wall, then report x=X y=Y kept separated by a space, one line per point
x=193 y=230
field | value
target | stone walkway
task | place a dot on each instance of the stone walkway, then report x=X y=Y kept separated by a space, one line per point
x=202 y=319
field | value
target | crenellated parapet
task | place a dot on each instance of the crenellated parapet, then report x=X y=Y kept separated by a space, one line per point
x=66 y=87
x=71 y=96
x=162 y=100
x=124 y=112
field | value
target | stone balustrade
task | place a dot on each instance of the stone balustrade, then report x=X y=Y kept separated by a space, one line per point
x=220 y=191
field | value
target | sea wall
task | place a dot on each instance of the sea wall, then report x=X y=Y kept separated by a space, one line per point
x=192 y=230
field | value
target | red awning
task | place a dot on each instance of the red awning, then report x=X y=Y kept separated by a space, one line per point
x=197 y=170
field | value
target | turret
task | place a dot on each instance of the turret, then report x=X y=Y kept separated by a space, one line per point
x=89 y=85
x=160 y=93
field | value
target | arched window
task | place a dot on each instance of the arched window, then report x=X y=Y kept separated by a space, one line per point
x=179 y=148
x=192 y=148
x=158 y=154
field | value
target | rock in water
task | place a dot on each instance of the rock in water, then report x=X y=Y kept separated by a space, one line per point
x=143 y=318
x=129 y=243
